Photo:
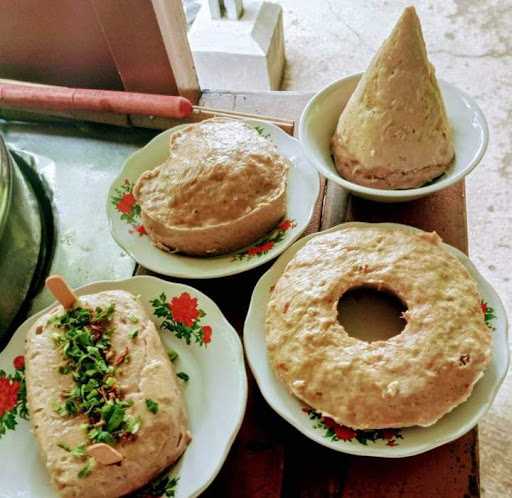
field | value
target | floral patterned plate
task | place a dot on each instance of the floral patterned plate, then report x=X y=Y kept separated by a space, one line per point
x=210 y=365
x=383 y=442
x=129 y=233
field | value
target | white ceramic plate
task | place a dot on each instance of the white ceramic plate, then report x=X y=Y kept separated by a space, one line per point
x=320 y=116
x=303 y=189
x=216 y=396
x=390 y=443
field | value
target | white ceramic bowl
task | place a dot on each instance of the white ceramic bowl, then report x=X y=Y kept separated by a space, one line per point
x=320 y=117
x=389 y=444
x=216 y=396
x=303 y=189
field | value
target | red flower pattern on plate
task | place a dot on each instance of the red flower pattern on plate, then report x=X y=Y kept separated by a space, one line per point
x=124 y=201
x=125 y=205
x=182 y=316
x=260 y=249
x=337 y=432
x=285 y=225
x=489 y=314
x=265 y=244
x=8 y=394
x=19 y=362
x=344 y=433
x=207 y=334
x=184 y=309
x=13 y=400
x=388 y=433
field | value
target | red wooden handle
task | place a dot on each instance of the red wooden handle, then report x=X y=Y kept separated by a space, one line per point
x=56 y=98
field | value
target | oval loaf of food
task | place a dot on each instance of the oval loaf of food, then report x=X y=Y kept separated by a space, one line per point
x=222 y=188
x=137 y=415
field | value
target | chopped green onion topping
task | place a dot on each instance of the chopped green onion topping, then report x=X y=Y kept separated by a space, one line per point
x=152 y=406
x=84 y=341
x=173 y=355
x=87 y=468
x=183 y=376
x=133 y=424
x=77 y=451
x=64 y=446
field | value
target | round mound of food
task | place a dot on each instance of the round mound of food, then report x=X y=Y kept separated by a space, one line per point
x=413 y=378
x=222 y=188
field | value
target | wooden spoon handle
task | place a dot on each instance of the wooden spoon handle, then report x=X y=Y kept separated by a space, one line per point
x=61 y=291
x=58 y=98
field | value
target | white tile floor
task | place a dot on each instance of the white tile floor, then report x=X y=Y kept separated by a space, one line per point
x=470 y=44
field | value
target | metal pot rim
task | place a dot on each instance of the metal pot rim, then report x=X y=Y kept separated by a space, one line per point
x=6 y=185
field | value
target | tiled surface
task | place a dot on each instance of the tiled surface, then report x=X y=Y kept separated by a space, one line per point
x=470 y=44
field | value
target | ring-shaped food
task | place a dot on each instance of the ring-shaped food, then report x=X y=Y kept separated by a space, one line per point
x=413 y=378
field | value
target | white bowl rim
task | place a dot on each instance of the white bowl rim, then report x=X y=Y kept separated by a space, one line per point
x=398 y=452
x=399 y=193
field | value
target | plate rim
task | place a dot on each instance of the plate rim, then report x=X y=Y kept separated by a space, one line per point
x=390 y=194
x=251 y=264
x=397 y=452
x=230 y=330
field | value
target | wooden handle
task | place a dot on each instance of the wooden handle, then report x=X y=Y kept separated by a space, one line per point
x=61 y=291
x=55 y=98
x=104 y=106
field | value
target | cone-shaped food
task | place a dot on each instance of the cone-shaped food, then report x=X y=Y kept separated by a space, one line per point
x=393 y=132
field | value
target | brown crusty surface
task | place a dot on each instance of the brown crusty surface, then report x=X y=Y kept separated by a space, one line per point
x=222 y=188
x=149 y=374
x=413 y=378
